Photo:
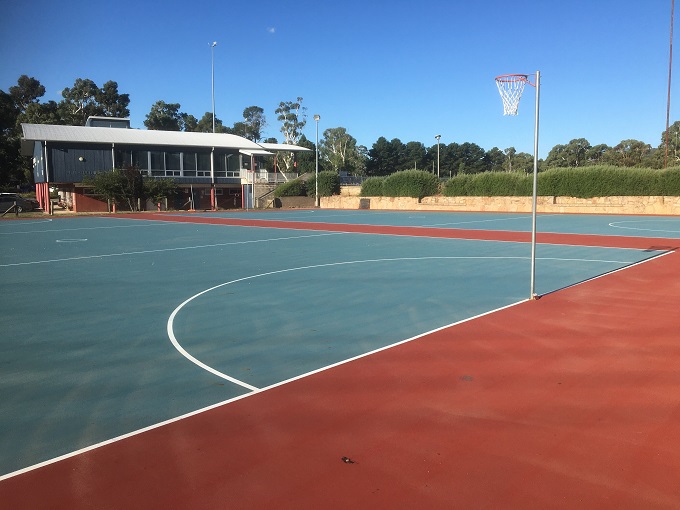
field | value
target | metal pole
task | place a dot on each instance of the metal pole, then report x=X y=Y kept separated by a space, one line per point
x=438 y=137
x=670 y=69
x=533 y=205
x=317 y=118
x=212 y=54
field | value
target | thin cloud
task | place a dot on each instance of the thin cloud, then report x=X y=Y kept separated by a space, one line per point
x=271 y=30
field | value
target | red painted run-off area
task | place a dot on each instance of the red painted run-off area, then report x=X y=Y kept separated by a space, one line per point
x=570 y=401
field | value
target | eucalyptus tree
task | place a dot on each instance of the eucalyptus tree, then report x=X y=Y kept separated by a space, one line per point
x=631 y=152
x=573 y=154
x=254 y=122
x=85 y=99
x=339 y=149
x=165 y=117
x=673 y=145
x=19 y=104
x=293 y=118
x=27 y=91
x=205 y=125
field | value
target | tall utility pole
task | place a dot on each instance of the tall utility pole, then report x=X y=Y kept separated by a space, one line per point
x=317 y=118
x=438 y=137
x=212 y=59
x=670 y=70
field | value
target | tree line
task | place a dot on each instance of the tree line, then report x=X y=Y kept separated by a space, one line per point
x=338 y=150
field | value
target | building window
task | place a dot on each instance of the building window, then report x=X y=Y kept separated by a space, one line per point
x=123 y=158
x=173 y=160
x=140 y=159
x=157 y=160
x=190 y=161
x=203 y=164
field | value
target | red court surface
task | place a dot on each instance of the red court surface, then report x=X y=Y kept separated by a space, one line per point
x=569 y=401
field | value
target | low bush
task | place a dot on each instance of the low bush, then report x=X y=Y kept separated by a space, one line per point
x=411 y=183
x=329 y=184
x=587 y=182
x=295 y=188
x=372 y=187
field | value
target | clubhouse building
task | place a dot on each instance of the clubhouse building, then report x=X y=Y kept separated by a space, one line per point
x=211 y=169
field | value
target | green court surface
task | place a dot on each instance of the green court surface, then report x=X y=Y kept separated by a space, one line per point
x=112 y=324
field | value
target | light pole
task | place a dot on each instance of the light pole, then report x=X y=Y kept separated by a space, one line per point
x=317 y=118
x=212 y=55
x=438 y=137
x=213 y=196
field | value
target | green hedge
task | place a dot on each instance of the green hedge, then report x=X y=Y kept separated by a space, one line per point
x=329 y=184
x=489 y=184
x=372 y=187
x=411 y=183
x=295 y=188
x=588 y=182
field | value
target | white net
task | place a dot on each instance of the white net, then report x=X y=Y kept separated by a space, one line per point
x=511 y=88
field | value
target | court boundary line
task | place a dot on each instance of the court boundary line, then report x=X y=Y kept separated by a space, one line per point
x=240 y=397
x=161 y=250
x=202 y=410
x=171 y=319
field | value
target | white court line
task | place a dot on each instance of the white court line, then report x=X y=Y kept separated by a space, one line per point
x=261 y=390
x=161 y=250
x=234 y=399
x=83 y=228
x=205 y=366
x=32 y=222
x=617 y=224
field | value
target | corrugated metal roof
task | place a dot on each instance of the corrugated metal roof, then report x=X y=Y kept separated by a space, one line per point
x=106 y=135
x=84 y=134
x=260 y=152
x=284 y=147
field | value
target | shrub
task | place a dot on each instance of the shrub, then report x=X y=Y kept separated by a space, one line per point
x=411 y=183
x=586 y=182
x=329 y=184
x=372 y=187
x=295 y=188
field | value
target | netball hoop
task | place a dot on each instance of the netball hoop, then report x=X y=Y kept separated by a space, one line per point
x=511 y=87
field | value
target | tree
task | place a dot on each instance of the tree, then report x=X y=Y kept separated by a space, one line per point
x=26 y=91
x=414 y=157
x=16 y=170
x=495 y=160
x=165 y=117
x=293 y=118
x=238 y=129
x=205 y=125
x=384 y=157
x=111 y=102
x=189 y=122
x=85 y=99
x=509 y=155
x=124 y=185
x=254 y=121
x=596 y=154
x=339 y=149
x=673 y=145
x=573 y=154
x=158 y=189
x=630 y=152
x=306 y=160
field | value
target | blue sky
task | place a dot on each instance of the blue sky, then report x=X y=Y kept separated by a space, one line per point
x=398 y=69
